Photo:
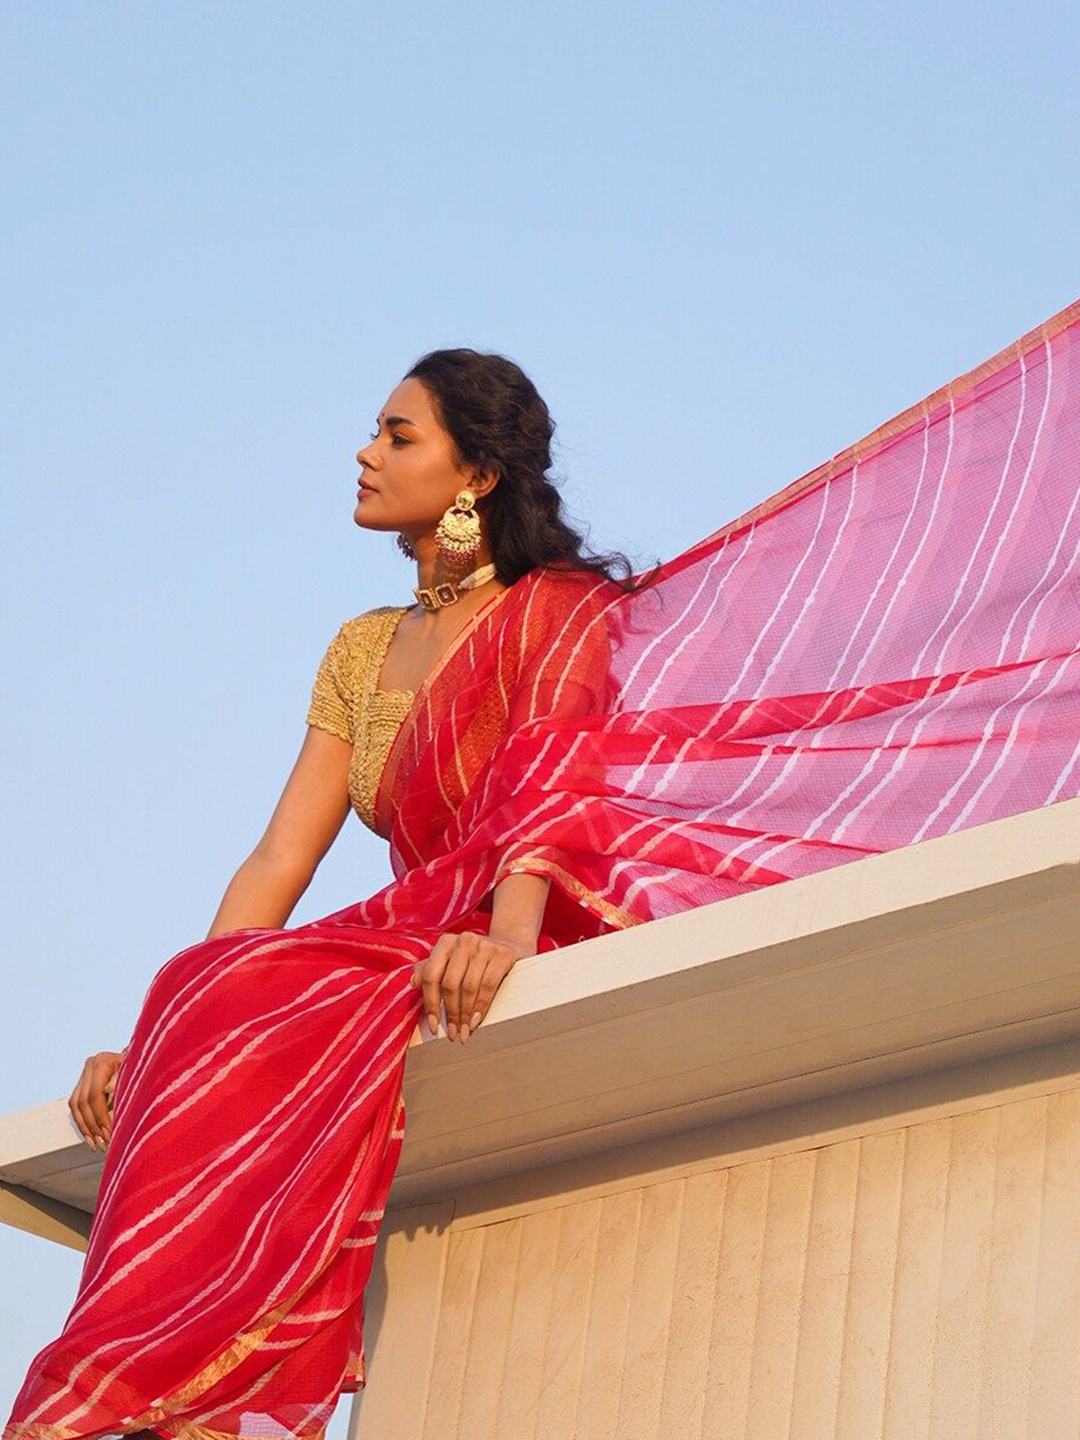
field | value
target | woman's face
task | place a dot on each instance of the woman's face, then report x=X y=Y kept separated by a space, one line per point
x=409 y=472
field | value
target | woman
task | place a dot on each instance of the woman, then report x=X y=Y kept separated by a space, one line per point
x=883 y=653
x=258 y=1113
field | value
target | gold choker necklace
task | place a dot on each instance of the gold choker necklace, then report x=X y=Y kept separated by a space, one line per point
x=438 y=596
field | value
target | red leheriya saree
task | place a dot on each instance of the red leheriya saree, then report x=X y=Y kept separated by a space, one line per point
x=883 y=653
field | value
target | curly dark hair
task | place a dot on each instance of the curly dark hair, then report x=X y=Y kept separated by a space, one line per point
x=497 y=419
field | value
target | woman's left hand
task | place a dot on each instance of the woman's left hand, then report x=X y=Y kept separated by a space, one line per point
x=463 y=973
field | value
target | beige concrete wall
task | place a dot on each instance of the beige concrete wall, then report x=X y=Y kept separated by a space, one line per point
x=916 y=1280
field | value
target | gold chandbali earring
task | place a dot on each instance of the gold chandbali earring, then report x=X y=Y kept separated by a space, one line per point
x=457 y=539
x=457 y=535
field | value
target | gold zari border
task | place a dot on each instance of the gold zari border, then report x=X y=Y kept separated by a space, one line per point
x=621 y=919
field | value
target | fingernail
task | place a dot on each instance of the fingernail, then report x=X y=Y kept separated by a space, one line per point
x=475 y=1020
x=465 y=1032
x=451 y=1030
x=433 y=1024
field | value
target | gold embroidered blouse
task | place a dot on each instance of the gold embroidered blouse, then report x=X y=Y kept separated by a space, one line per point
x=346 y=702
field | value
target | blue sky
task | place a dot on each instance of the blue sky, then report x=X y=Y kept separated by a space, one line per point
x=725 y=240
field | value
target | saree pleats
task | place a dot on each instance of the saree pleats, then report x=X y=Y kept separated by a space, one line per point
x=886 y=652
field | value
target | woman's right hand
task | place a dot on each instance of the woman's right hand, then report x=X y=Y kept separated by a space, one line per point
x=89 y=1101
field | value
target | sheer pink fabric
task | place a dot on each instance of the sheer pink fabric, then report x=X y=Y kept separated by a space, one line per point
x=884 y=653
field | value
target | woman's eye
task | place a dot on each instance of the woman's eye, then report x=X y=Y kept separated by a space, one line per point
x=396 y=438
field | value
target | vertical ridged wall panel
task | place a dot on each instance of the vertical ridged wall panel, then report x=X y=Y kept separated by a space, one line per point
x=920 y=1284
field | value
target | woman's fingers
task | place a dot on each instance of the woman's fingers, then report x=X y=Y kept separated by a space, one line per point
x=490 y=965
x=81 y=1106
x=75 y=1105
x=495 y=972
x=461 y=976
x=462 y=955
x=89 y=1101
x=430 y=979
x=99 y=1105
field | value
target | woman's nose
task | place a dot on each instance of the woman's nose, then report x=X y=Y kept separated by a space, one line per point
x=363 y=457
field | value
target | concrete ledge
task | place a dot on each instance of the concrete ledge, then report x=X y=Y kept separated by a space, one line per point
x=932 y=956
x=38 y=1215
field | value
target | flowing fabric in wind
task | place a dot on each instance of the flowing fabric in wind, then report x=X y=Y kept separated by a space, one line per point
x=884 y=653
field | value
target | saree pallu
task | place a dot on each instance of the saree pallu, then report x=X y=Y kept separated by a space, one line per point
x=883 y=653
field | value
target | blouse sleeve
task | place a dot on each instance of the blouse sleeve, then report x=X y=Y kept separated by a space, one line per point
x=331 y=707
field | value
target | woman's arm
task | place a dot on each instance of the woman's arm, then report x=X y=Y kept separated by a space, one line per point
x=463 y=972
x=517 y=910
x=305 y=822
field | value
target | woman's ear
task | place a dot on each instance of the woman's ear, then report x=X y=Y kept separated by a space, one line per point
x=484 y=481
